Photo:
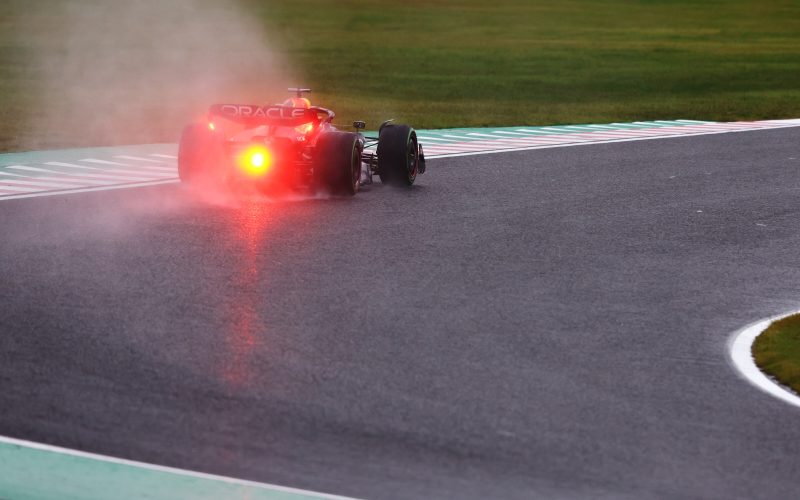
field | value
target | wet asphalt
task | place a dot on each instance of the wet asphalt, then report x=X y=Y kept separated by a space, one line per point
x=537 y=324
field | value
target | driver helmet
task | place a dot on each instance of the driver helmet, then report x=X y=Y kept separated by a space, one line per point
x=297 y=102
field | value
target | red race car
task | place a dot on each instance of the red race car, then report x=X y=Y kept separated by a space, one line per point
x=295 y=145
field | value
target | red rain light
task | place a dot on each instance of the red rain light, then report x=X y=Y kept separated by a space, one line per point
x=256 y=160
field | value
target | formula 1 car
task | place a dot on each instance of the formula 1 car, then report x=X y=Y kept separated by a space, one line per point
x=295 y=145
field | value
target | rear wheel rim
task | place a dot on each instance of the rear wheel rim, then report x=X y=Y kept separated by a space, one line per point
x=355 y=169
x=411 y=167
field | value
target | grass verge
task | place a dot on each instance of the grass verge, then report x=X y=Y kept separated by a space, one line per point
x=777 y=351
x=478 y=63
x=449 y=63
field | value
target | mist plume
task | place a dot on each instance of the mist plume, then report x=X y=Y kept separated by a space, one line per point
x=135 y=71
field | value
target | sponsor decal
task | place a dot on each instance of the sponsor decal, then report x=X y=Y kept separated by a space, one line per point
x=273 y=112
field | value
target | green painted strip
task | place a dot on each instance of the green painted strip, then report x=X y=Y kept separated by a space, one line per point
x=37 y=472
x=550 y=129
x=67 y=155
x=38 y=158
x=19 y=172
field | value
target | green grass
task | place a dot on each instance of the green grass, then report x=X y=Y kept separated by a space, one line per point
x=483 y=63
x=443 y=63
x=777 y=351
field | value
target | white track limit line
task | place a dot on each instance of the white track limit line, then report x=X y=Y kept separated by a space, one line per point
x=773 y=126
x=138 y=158
x=18 y=188
x=36 y=183
x=165 y=170
x=126 y=174
x=89 y=189
x=740 y=349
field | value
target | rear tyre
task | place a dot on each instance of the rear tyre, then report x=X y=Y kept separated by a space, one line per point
x=337 y=163
x=200 y=152
x=398 y=155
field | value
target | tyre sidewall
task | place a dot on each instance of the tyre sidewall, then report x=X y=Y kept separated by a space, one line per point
x=337 y=163
x=395 y=143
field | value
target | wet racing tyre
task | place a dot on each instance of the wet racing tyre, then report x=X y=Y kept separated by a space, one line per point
x=200 y=152
x=337 y=163
x=398 y=155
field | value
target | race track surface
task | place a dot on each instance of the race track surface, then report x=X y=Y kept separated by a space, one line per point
x=548 y=323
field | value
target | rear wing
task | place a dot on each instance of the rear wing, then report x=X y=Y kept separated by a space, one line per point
x=254 y=115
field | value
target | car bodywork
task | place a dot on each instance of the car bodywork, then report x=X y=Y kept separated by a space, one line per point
x=296 y=145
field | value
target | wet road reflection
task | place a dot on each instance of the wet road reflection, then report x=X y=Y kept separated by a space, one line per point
x=246 y=328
